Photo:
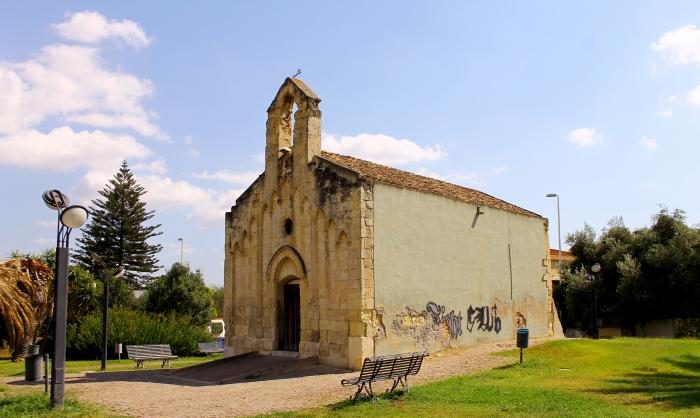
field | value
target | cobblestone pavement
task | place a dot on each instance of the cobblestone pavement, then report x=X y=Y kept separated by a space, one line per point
x=155 y=393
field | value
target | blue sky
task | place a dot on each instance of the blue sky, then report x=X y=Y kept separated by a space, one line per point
x=598 y=102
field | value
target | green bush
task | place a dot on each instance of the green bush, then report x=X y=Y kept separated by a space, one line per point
x=182 y=291
x=217 y=328
x=84 y=339
x=688 y=328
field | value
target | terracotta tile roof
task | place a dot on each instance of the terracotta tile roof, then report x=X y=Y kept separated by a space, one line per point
x=388 y=175
x=565 y=255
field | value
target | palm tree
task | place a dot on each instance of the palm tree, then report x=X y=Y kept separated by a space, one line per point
x=25 y=301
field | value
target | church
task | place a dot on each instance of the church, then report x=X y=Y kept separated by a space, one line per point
x=339 y=258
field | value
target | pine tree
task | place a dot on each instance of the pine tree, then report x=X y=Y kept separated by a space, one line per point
x=117 y=233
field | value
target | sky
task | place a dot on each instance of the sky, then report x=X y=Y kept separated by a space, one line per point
x=598 y=102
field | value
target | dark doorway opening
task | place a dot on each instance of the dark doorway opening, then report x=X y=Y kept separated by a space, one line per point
x=291 y=318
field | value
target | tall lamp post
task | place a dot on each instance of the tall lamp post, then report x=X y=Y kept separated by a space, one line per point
x=558 y=229
x=68 y=218
x=595 y=269
x=107 y=273
x=182 y=248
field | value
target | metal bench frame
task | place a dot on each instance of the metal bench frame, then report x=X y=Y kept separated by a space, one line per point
x=395 y=367
x=141 y=353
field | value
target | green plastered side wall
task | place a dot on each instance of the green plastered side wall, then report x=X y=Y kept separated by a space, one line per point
x=429 y=248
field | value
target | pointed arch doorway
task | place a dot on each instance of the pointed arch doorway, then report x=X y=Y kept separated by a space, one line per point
x=287 y=273
x=290 y=326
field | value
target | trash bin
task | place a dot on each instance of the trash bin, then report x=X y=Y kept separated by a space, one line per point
x=32 y=365
x=523 y=336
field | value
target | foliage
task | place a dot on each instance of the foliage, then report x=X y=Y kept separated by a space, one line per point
x=217 y=328
x=25 y=301
x=83 y=293
x=649 y=273
x=9 y=368
x=689 y=328
x=116 y=231
x=567 y=378
x=182 y=292
x=38 y=405
x=84 y=339
x=217 y=297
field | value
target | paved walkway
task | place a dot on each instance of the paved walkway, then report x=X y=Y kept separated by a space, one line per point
x=157 y=393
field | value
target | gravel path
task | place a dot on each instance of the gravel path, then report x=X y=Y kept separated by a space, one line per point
x=154 y=393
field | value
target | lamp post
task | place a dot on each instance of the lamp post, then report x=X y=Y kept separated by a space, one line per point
x=182 y=248
x=558 y=229
x=595 y=269
x=68 y=218
x=106 y=274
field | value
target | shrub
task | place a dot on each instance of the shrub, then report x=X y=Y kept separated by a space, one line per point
x=183 y=291
x=688 y=328
x=84 y=339
x=217 y=328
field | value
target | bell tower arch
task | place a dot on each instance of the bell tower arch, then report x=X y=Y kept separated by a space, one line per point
x=305 y=140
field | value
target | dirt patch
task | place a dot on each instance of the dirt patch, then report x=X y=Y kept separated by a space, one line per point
x=159 y=393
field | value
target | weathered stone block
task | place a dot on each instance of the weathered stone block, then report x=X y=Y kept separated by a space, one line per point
x=357 y=328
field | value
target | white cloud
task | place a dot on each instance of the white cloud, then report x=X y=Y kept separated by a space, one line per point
x=648 y=143
x=138 y=122
x=680 y=46
x=666 y=113
x=585 y=137
x=205 y=207
x=93 y=28
x=229 y=176
x=71 y=82
x=155 y=167
x=382 y=148
x=64 y=149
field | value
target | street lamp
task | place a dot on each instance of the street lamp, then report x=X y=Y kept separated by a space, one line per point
x=558 y=228
x=182 y=248
x=68 y=218
x=106 y=273
x=595 y=269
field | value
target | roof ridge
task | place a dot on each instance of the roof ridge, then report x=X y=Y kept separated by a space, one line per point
x=479 y=198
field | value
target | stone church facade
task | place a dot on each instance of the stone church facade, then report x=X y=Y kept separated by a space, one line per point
x=340 y=258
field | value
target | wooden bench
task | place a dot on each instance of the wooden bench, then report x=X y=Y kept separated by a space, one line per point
x=395 y=367
x=141 y=353
x=213 y=347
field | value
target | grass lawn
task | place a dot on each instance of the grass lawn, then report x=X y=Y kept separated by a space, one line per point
x=37 y=405
x=24 y=403
x=8 y=368
x=625 y=377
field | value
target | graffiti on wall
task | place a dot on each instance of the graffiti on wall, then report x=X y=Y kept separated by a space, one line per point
x=452 y=320
x=435 y=323
x=485 y=318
